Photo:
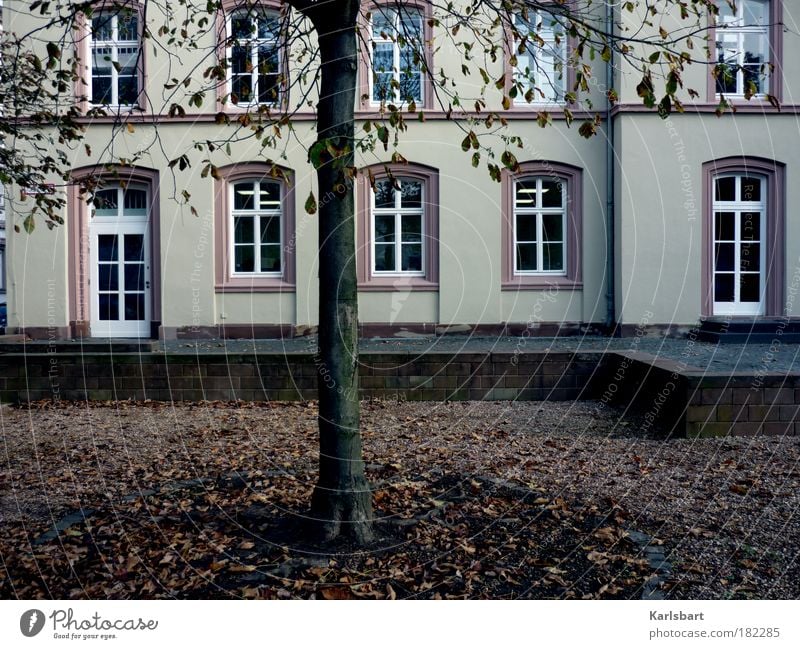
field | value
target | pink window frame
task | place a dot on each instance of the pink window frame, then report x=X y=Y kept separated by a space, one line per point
x=224 y=279
x=429 y=281
x=364 y=100
x=776 y=59
x=221 y=31
x=78 y=215
x=775 y=174
x=83 y=53
x=573 y=176
x=508 y=69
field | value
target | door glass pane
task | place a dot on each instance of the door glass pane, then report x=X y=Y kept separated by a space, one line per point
x=108 y=276
x=750 y=287
x=134 y=277
x=134 y=306
x=724 y=226
x=724 y=256
x=107 y=247
x=750 y=257
x=134 y=247
x=723 y=287
x=750 y=226
x=725 y=189
x=109 y=306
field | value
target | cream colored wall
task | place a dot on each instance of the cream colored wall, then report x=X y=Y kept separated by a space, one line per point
x=660 y=204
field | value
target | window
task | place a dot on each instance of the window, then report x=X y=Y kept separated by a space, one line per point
x=254 y=228
x=115 y=58
x=743 y=48
x=397 y=41
x=398 y=228
x=254 y=56
x=256 y=224
x=540 y=226
x=743 y=241
x=539 y=58
x=541 y=218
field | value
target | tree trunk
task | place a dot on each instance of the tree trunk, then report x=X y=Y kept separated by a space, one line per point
x=342 y=500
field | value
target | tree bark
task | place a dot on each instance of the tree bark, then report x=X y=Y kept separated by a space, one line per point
x=342 y=500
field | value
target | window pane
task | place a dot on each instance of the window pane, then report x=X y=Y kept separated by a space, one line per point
x=383 y=57
x=526 y=256
x=725 y=189
x=134 y=306
x=384 y=228
x=134 y=277
x=384 y=257
x=241 y=27
x=243 y=229
x=382 y=87
x=134 y=247
x=526 y=193
x=412 y=228
x=751 y=189
x=553 y=227
x=240 y=60
x=128 y=91
x=107 y=247
x=271 y=230
x=101 y=90
x=750 y=287
x=724 y=256
x=244 y=261
x=268 y=88
x=526 y=227
x=270 y=195
x=552 y=194
x=411 y=87
x=134 y=202
x=270 y=259
x=102 y=26
x=384 y=194
x=106 y=202
x=108 y=275
x=269 y=26
x=412 y=257
x=243 y=196
x=723 y=287
x=127 y=27
x=383 y=23
x=241 y=89
x=755 y=12
x=750 y=257
x=724 y=226
x=553 y=256
x=109 y=306
x=753 y=79
x=750 y=226
x=411 y=193
x=411 y=25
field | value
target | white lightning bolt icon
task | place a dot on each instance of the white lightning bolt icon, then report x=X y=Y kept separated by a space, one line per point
x=32 y=621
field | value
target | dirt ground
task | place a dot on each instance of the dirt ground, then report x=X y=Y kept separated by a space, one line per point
x=473 y=500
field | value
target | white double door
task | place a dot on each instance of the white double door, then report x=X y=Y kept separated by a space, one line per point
x=119 y=281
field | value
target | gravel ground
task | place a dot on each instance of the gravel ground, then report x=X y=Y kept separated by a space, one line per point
x=713 y=358
x=725 y=509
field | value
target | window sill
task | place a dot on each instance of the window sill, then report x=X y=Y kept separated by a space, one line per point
x=398 y=283
x=255 y=285
x=540 y=282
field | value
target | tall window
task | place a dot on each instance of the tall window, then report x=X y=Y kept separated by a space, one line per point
x=256 y=225
x=743 y=48
x=540 y=54
x=115 y=58
x=397 y=226
x=540 y=217
x=397 y=42
x=255 y=57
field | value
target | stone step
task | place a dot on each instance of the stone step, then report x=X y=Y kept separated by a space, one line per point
x=93 y=346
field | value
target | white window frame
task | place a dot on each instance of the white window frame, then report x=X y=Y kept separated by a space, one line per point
x=538 y=212
x=253 y=44
x=115 y=45
x=555 y=88
x=398 y=212
x=739 y=207
x=378 y=39
x=257 y=214
x=737 y=28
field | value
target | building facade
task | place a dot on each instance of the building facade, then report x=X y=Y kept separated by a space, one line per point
x=651 y=223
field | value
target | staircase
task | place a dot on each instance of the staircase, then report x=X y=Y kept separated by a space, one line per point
x=748 y=330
